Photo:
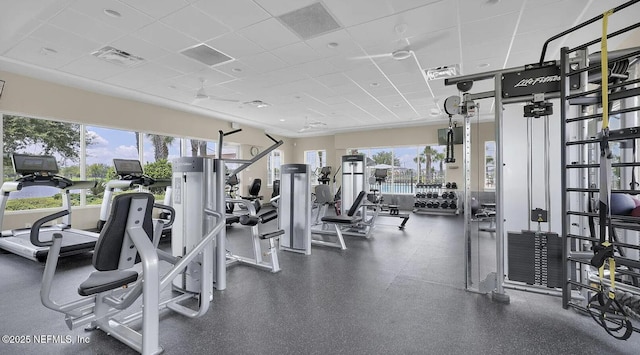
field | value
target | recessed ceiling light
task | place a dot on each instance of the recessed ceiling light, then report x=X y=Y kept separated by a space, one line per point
x=492 y=2
x=112 y=13
x=396 y=105
x=374 y=84
x=237 y=70
x=297 y=97
x=47 y=51
x=172 y=87
x=483 y=65
x=282 y=120
x=434 y=112
x=332 y=44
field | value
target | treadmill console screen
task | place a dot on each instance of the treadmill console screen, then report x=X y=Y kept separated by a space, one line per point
x=25 y=164
x=128 y=167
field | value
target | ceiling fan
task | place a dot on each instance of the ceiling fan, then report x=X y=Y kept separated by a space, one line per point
x=405 y=47
x=201 y=94
x=312 y=126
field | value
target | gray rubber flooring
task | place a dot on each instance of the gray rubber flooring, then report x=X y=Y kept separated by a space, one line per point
x=401 y=292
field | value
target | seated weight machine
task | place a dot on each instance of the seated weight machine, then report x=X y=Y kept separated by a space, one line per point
x=130 y=236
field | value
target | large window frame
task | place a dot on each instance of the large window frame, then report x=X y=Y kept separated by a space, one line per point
x=181 y=147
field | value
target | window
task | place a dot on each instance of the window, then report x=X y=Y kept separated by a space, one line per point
x=274 y=161
x=37 y=136
x=316 y=160
x=490 y=165
x=406 y=166
x=103 y=145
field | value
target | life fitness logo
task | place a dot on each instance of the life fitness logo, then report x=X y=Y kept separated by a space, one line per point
x=539 y=80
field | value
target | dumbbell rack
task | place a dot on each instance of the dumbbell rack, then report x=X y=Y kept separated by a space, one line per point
x=430 y=199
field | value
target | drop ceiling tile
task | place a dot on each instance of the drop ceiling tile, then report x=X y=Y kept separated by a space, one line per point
x=556 y=14
x=269 y=34
x=85 y=26
x=437 y=59
x=474 y=10
x=211 y=76
x=316 y=68
x=279 y=7
x=485 y=50
x=333 y=80
x=477 y=66
x=235 y=45
x=93 y=68
x=195 y=23
x=407 y=78
x=410 y=88
x=166 y=37
x=57 y=38
x=354 y=12
x=423 y=20
x=489 y=29
x=180 y=63
x=31 y=50
x=166 y=91
x=130 y=20
x=237 y=69
x=263 y=62
x=235 y=14
x=157 y=9
x=346 y=46
x=139 y=47
x=382 y=91
x=296 y=53
x=142 y=75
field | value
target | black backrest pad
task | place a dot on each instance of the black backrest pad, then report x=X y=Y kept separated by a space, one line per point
x=356 y=204
x=106 y=255
x=254 y=190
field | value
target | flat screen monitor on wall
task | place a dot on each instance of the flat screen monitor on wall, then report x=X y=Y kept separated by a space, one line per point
x=458 y=135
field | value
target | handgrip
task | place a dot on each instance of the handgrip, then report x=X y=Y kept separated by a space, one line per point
x=247 y=220
x=268 y=216
x=35 y=229
x=172 y=213
x=273 y=139
x=270 y=235
x=601 y=255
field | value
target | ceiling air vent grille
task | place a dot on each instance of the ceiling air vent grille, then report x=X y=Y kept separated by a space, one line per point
x=206 y=55
x=116 y=56
x=310 y=21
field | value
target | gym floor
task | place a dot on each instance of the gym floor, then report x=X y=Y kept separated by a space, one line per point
x=401 y=292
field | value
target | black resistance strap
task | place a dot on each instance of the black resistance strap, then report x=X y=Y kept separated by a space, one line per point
x=450 y=139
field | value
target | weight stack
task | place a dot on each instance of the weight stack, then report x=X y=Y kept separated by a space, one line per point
x=535 y=259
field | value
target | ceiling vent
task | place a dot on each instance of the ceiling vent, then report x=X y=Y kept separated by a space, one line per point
x=116 y=56
x=310 y=21
x=446 y=71
x=206 y=55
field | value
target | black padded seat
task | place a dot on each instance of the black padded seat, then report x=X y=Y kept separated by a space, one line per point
x=233 y=219
x=101 y=281
x=341 y=219
x=350 y=218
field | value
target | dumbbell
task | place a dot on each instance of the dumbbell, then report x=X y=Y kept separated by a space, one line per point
x=444 y=204
x=448 y=185
x=428 y=194
x=434 y=195
x=445 y=195
x=453 y=205
x=423 y=204
x=416 y=204
x=452 y=195
x=435 y=204
x=454 y=185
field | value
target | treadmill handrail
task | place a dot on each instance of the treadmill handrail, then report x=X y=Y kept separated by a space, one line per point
x=35 y=229
x=11 y=186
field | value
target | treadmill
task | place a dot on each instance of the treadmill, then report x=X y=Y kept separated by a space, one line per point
x=130 y=175
x=39 y=171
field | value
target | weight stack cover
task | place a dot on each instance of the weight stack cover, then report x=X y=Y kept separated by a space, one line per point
x=535 y=259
